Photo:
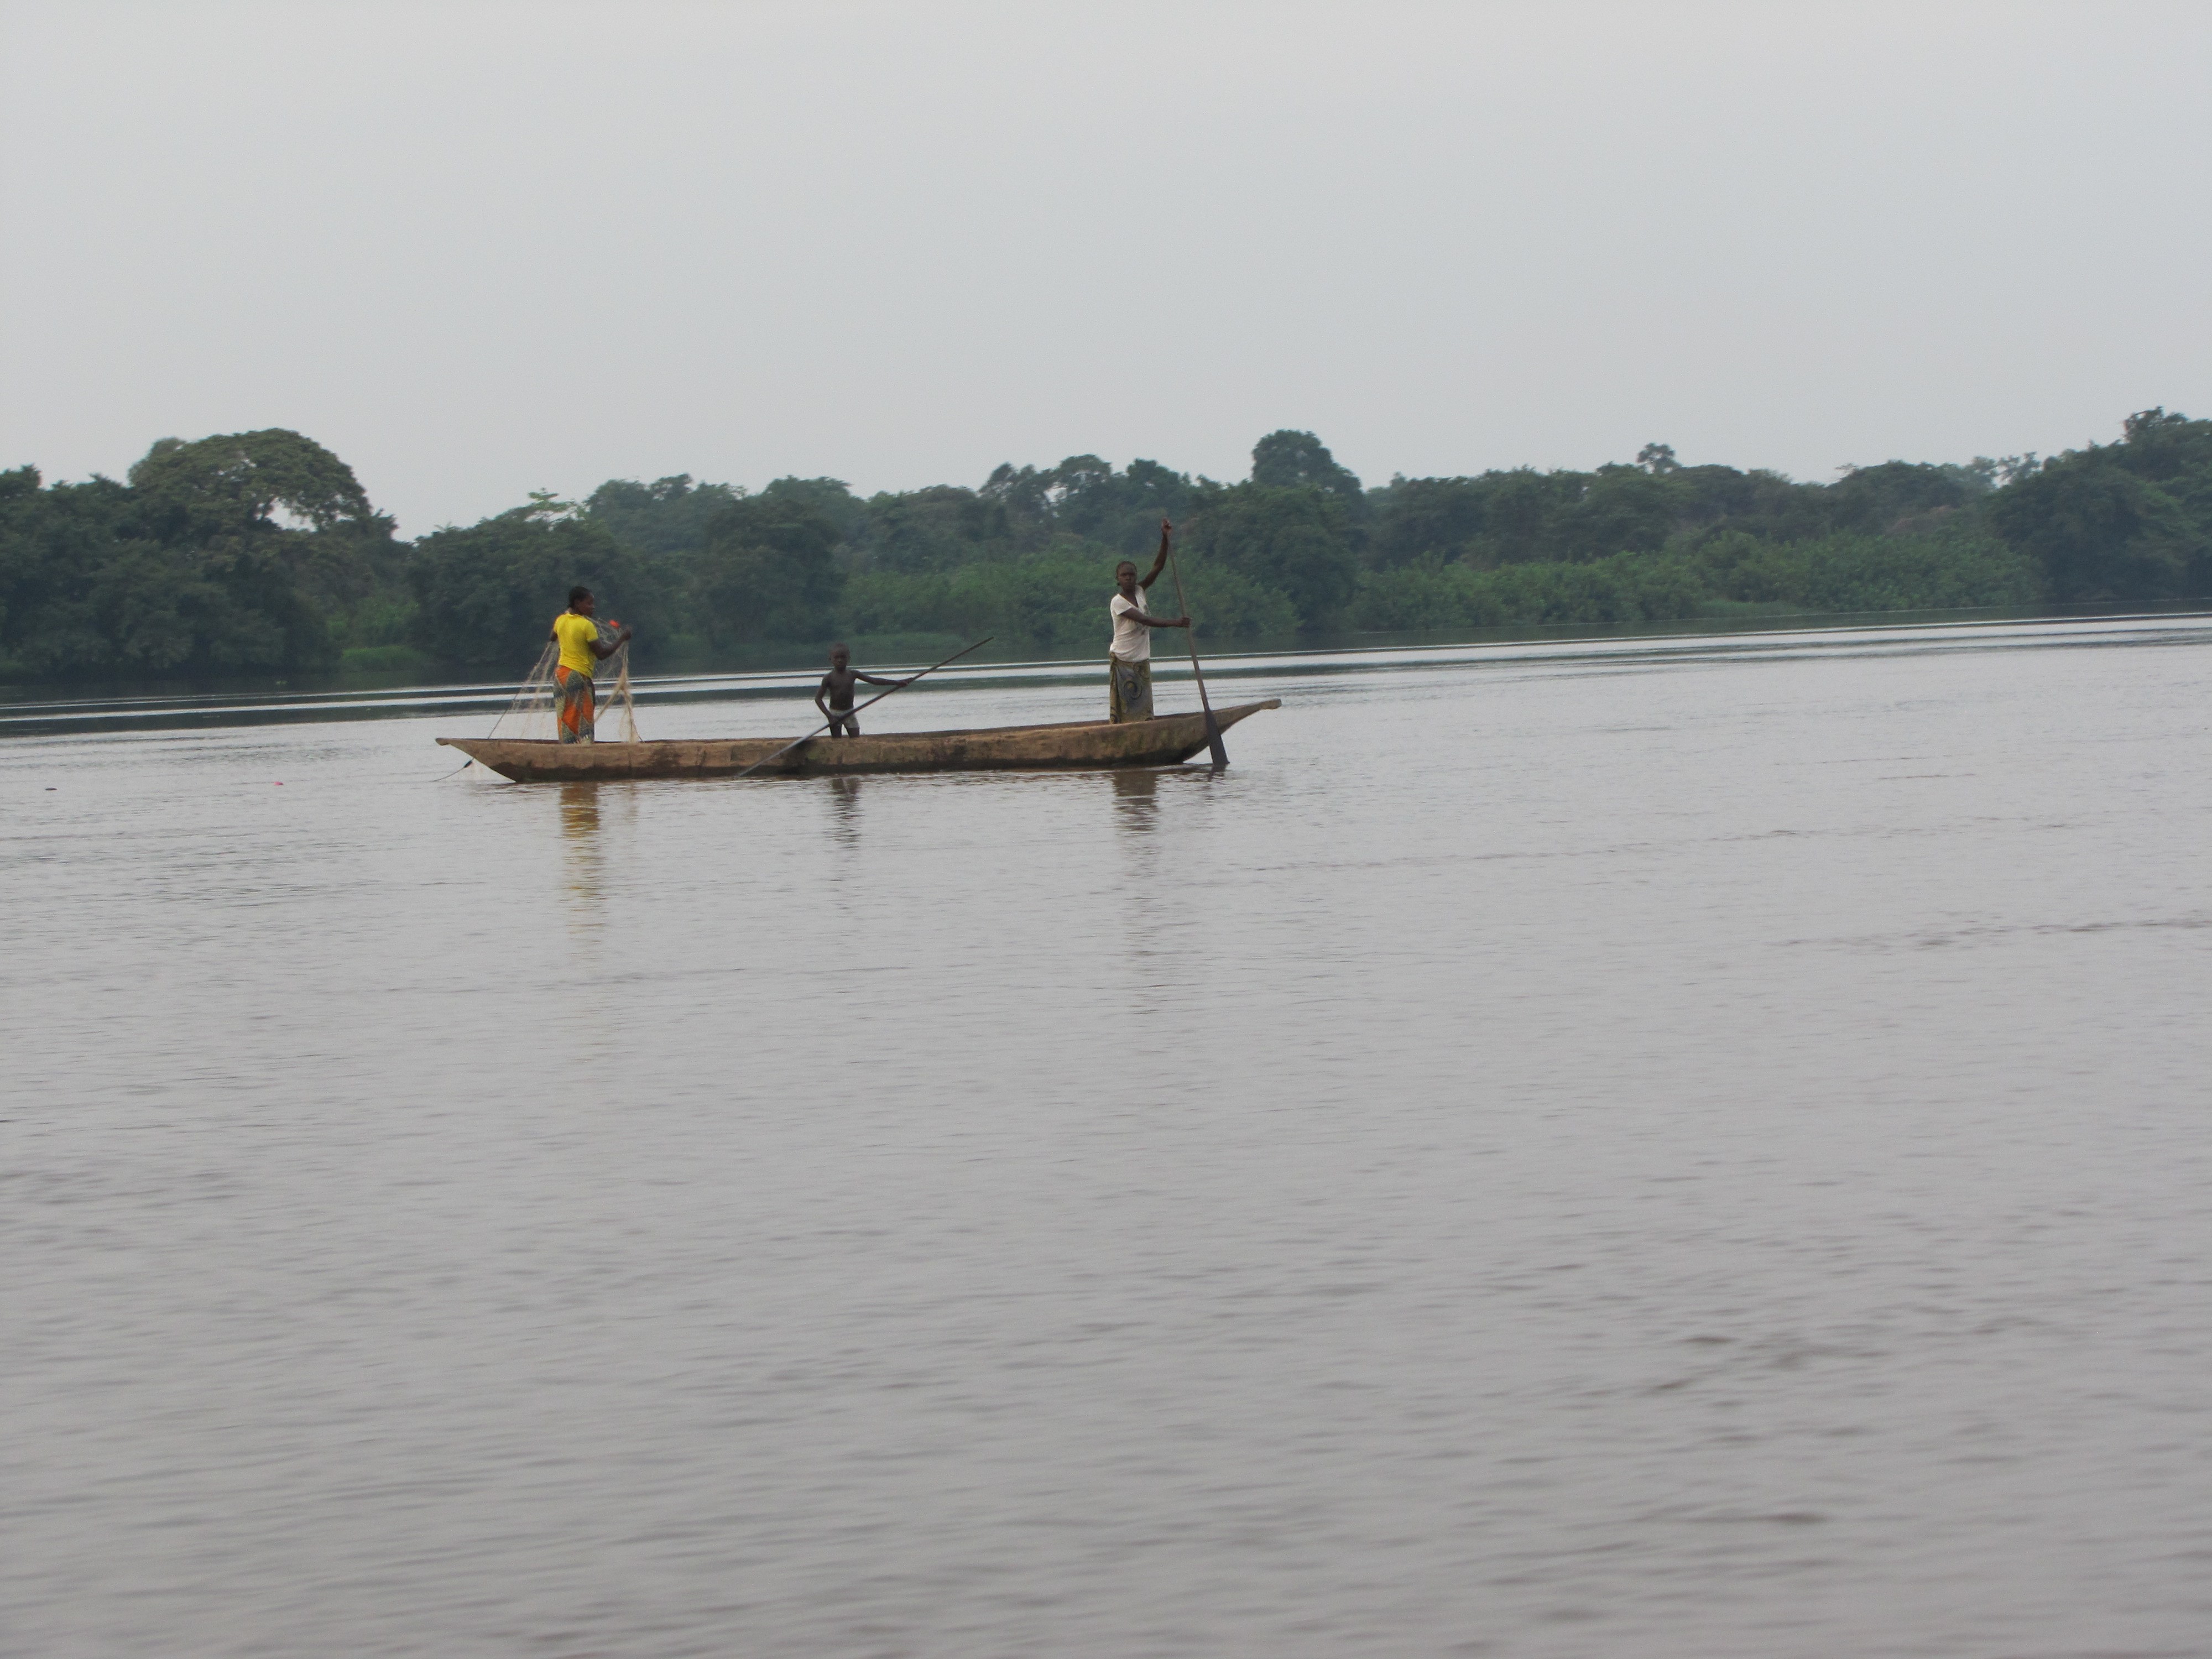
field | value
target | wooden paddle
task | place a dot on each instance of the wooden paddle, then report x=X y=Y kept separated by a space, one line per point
x=1212 y=730
x=870 y=703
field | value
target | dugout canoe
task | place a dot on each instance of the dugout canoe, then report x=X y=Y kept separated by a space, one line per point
x=1082 y=746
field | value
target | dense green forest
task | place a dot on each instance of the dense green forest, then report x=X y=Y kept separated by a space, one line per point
x=259 y=552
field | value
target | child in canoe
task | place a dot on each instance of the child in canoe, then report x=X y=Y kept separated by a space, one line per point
x=835 y=696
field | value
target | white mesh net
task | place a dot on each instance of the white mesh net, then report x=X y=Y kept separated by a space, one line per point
x=531 y=713
x=619 y=701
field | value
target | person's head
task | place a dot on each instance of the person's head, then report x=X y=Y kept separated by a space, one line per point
x=581 y=602
x=1125 y=578
x=839 y=656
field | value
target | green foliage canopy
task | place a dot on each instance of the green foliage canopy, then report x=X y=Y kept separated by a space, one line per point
x=1293 y=537
x=1299 y=460
x=487 y=595
x=259 y=551
x=2127 y=521
x=229 y=555
x=769 y=570
x=670 y=516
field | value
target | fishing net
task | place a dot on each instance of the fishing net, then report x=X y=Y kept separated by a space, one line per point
x=619 y=697
x=531 y=713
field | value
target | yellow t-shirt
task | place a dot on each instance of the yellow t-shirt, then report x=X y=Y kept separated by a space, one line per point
x=576 y=634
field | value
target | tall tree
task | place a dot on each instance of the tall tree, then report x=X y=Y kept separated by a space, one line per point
x=669 y=515
x=768 y=572
x=2099 y=532
x=1288 y=460
x=238 y=483
x=1294 y=539
x=936 y=529
x=2130 y=520
x=489 y=593
x=831 y=497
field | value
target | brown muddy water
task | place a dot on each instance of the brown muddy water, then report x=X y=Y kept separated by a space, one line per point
x=1662 y=1148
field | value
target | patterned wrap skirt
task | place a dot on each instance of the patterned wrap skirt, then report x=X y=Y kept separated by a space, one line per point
x=575 y=704
x=1129 y=690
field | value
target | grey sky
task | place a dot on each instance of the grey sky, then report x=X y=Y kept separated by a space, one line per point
x=478 y=249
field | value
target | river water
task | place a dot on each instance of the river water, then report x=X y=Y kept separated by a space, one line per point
x=1686 y=1147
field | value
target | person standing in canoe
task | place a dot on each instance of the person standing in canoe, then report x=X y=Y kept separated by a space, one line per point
x=577 y=633
x=837 y=686
x=1129 y=660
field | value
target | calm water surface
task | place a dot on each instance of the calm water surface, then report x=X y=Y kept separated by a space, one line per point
x=1670 y=1149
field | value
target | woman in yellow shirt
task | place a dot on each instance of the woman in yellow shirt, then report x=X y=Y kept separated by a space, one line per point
x=582 y=650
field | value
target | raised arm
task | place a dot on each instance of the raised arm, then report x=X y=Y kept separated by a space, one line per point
x=878 y=679
x=1158 y=564
x=602 y=649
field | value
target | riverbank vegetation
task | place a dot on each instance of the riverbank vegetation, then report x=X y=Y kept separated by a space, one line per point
x=259 y=552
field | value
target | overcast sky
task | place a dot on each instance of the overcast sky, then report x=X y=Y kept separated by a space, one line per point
x=479 y=248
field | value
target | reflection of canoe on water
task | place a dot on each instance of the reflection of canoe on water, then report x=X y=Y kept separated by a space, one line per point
x=1084 y=746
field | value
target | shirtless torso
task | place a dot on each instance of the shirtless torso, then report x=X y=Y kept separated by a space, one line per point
x=833 y=698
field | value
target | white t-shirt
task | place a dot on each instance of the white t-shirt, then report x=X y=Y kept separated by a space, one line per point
x=1133 y=640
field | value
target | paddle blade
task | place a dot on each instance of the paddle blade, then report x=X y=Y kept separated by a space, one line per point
x=1213 y=740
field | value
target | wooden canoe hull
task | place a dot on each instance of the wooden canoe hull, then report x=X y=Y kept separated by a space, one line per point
x=1082 y=747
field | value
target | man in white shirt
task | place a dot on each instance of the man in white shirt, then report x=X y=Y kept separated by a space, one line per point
x=1129 y=661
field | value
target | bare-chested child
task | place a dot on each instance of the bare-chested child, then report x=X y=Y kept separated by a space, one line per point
x=837 y=688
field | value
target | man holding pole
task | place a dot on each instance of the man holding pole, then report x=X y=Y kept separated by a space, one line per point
x=1129 y=660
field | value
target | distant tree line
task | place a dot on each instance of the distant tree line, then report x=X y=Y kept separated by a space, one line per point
x=259 y=552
